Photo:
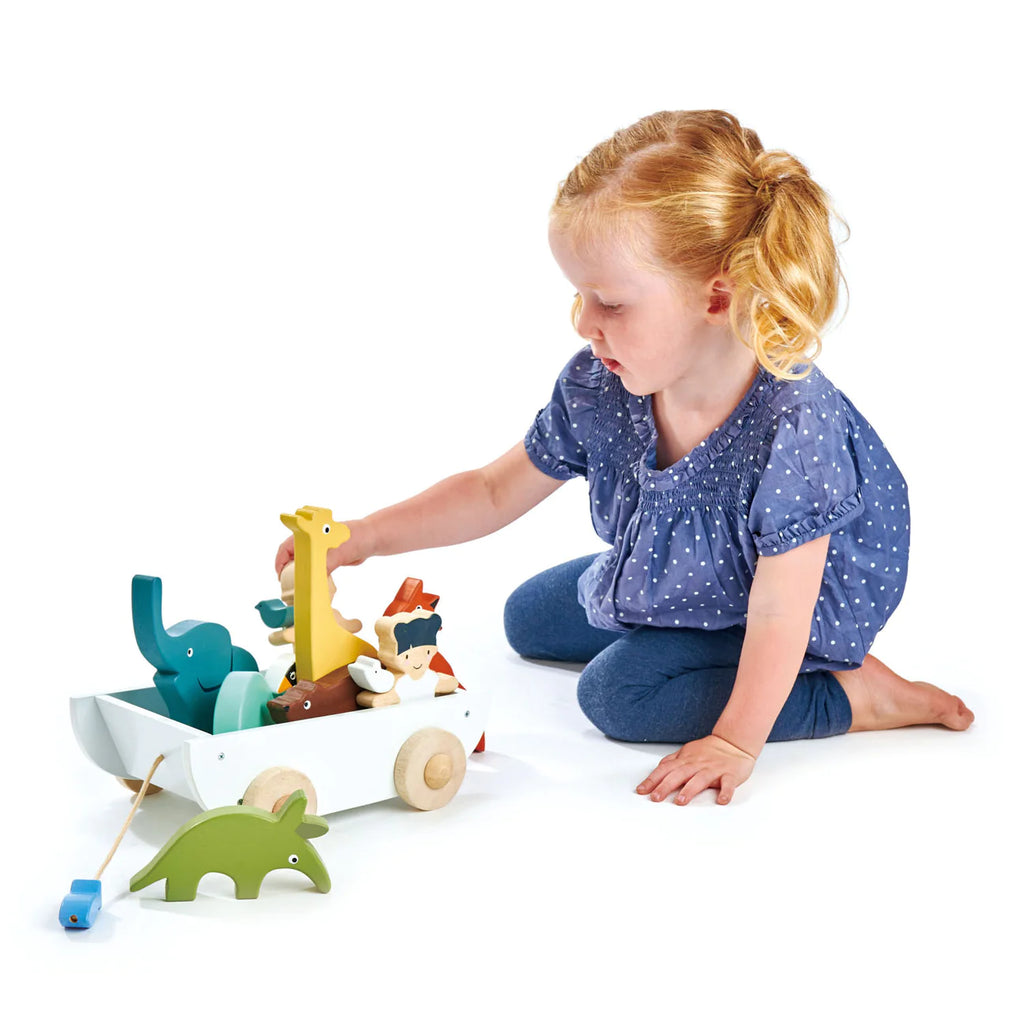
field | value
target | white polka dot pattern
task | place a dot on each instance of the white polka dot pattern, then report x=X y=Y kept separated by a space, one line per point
x=793 y=461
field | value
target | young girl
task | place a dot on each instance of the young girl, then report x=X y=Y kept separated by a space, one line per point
x=758 y=527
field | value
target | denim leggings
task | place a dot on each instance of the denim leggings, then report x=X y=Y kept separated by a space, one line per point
x=653 y=684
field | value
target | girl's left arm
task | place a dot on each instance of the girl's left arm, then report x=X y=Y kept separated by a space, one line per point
x=782 y=599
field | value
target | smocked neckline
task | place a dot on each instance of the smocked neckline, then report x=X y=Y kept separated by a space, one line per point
x=704 y=452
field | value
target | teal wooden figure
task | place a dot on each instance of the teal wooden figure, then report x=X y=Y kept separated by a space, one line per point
x=191 y=658
x=276 y=614
x=244 y=843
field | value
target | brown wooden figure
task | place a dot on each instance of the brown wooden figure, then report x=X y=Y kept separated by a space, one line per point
x=331 y=695
x=407 y=642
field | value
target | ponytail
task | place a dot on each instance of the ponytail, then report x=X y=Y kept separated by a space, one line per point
x=785 y=270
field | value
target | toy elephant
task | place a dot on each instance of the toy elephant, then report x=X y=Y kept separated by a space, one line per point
x=191 y=658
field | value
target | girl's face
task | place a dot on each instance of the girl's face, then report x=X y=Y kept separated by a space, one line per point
x=650 y=328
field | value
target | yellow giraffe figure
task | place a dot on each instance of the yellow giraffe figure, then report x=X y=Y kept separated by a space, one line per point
x=321 y=644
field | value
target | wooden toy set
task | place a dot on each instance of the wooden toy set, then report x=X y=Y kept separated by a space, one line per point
x=333 y=723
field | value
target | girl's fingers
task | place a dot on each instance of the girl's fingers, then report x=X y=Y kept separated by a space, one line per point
x=285 y=554
x=656 y=776
x=691 y=771
x=652 y=780
x=679 y=776
x=726 y=788
x=698 y=782
x=665 y=765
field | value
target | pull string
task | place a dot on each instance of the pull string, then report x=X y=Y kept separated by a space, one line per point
x=131 y=814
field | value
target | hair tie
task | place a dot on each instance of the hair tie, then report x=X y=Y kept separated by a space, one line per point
x=762 y=188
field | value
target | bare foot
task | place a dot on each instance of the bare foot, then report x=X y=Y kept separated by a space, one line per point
x=880 y=699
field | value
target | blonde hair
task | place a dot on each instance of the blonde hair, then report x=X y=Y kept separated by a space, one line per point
x=715 y=201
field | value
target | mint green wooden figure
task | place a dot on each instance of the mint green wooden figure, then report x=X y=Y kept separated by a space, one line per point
x=245 y=843
x=242 y=702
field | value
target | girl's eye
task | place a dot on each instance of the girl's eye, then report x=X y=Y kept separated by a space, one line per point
x=611 y=307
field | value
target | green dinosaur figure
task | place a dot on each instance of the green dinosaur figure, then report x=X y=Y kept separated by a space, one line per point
x=244 y=843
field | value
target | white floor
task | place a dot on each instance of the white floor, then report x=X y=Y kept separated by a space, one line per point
x=847 y=872
x=256 y=257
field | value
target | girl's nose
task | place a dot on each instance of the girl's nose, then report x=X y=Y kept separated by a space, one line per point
x=586 y=324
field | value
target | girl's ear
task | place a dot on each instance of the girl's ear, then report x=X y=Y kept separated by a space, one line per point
x=719 y=297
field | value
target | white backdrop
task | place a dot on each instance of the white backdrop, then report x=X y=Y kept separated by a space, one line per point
x=249 y=249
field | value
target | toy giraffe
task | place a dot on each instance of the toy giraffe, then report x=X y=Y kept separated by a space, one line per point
x=321 y=644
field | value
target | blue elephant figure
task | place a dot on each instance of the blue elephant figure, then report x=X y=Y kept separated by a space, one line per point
x=191 y=658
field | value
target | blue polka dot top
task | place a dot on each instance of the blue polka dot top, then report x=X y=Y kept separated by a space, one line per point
x=793 y=461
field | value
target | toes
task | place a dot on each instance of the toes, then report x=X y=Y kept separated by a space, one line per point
x=957 y=715
x=964 y=715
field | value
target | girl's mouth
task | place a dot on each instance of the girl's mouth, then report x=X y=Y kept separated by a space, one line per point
x=612 y=365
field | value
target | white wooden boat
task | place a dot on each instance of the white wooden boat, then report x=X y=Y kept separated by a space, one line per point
x=416 y=749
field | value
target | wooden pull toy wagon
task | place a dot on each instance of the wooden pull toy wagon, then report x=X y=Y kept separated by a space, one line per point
x=344 y=722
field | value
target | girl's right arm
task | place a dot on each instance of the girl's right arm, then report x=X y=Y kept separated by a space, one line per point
x=460 y=508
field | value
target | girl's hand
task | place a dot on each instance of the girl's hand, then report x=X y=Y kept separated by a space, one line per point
x=351 y=552
x=709 y=763
x=285 y=554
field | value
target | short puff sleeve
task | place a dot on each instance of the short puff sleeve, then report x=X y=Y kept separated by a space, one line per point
x=557 y=441
x=809 y=485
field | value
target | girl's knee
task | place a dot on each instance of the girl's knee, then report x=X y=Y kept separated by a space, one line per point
x=602 y=700
x=520 y=612
x=544 y=619
x=532 y=625
x=633 y=703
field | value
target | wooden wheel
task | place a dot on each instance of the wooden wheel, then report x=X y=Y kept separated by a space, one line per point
x=136 y=784
x=272 y=787
x=429 y=769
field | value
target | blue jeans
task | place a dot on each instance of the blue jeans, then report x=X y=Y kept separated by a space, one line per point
x=653 y=684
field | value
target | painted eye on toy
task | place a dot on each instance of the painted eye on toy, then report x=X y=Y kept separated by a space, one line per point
x=306 y=705
x=293 y=859
x=188 y=653
x=327 y=528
